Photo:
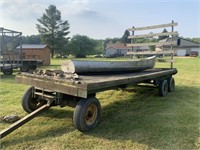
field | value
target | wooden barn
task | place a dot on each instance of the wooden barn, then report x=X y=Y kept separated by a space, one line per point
x=36 y=51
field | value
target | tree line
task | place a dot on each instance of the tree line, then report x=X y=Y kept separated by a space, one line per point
x=54 y=32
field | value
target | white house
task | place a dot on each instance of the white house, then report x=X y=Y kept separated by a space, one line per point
x=184 y=47
x=115 y=50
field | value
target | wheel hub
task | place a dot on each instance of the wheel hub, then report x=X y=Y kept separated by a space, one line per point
x=91 y=114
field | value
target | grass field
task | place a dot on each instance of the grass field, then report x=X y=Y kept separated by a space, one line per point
x=134 y=118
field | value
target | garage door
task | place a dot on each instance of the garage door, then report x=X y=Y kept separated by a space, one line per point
x=181 y=52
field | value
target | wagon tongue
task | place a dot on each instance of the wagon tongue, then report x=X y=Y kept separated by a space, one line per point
x=24 y=120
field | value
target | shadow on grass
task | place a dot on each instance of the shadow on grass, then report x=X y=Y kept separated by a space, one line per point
x=7 y=77
x=44 y=130
x=169 y=122
x=53 y=132
x=58 y=113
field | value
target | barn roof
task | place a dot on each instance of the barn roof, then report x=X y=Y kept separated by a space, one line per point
x=33 y=46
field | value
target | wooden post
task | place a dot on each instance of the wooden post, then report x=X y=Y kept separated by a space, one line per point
x=172 y=50
x=104 y=49
x=132 y=41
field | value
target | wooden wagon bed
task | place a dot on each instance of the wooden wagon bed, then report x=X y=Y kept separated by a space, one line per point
x=79 y=93
x=89 y=84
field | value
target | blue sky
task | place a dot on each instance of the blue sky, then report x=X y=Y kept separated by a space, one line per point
x=102 y=19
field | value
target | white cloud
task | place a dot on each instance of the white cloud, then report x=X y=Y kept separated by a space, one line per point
x=77 y=8
x=20 y=9
x=26 y=12
x=28 y=9
x=81 y=2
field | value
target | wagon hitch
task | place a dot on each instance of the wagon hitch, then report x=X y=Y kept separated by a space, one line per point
x=24 y=120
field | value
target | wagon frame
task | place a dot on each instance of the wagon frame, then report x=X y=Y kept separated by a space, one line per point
x=46 y=91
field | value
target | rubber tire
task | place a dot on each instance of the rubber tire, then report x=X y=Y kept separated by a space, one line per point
x=171 y=84
x=8 y=71
x=24 y=68
x=163 y=88
x=80 y=111
x=29 y=104
x=33 y=67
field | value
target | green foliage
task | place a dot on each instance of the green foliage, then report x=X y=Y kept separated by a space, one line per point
x=9 y=42
x=124 y=38
x=32 y=39
x=152 y=48
x=197 y=40
x=53 y=30
x=143 y=40
x=81 y=45
x=112 y=40
x=99 y=49
x=140 y=40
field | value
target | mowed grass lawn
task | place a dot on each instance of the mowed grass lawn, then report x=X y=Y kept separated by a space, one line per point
x=133 y=118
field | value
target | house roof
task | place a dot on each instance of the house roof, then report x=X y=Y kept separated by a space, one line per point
x=123 y=46
x=33 y=46
x=183 y=42
x=117 y=46
x=141 y=47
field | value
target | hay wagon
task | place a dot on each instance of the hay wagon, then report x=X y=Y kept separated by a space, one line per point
x=45 y=92
x=80 y=93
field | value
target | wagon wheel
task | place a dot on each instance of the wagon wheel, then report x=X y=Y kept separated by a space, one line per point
x=87 y=114
x=171 y=84
x=24 y=68
x=163 y=88
x=33 y=67
x=30 y=103
x=8 y=71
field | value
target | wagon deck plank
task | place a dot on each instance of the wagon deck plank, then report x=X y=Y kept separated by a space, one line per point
x=89 y=84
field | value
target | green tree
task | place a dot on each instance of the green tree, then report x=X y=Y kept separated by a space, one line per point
x=32 y=39
x=197 y=40
x=112 y=40
x=152 y=48
x=99 y=49
x=125 y=37
x=53 y=29
x=81 y=45
x=164 y=36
